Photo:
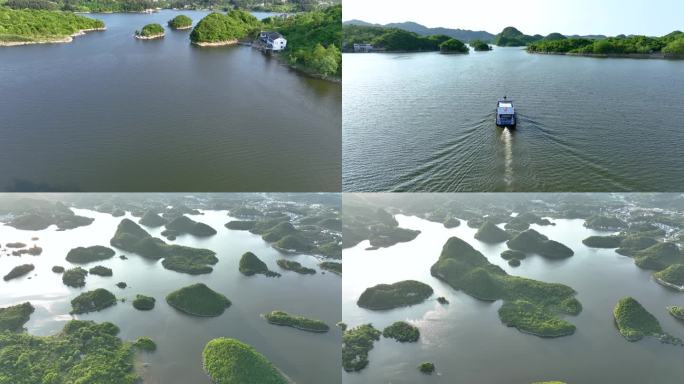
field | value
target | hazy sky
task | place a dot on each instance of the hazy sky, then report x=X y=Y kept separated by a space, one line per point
x=608 y=17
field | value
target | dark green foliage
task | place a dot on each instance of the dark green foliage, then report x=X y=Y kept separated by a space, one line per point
x=453 y=46
x=659 y=256
x=674 y=274
x=37 y=25
x=356 y=343
x=143 y=303
x=602 y=222
x=531 y=241
x=480 y=45
x=400 y=294
x=452 y=222
x=100 y=271
x=92 y=301
x=426 y=368
x=279 y=231
x=198 y=300
x=150 y=30
x=180 y=22
x=151 y=219
x=603 y=241
x=511 y=37
x=402 y=331
x=241 y=225
x=250 y=265
x=670 y=45
x=676 y=311
x=194 y=261
x=514 y=262
x=145 y=344
x=490 y=233
x=219 y=27
x=74 y=277
x=554 y=36
x=631 y=244
x=293 y=243
x=83 y=255
x=184 y=224
x=283 y=318
x=230 y=361
x=13 y=318
x=530 y=318
x=442 y=300
x=675 y=48
x=58 y=269
x=84 y=352
x=18 y=271
x=121 y=284
x=332 y=267
x=295 y=266
x=634 y=321
x=511 y=254
x=523 y=221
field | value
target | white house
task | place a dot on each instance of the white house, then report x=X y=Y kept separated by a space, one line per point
x=273 y=40
x=363 y=47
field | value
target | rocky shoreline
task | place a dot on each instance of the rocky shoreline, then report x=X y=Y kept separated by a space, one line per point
x=151 y=37
x=56 y=40
x=216 y=43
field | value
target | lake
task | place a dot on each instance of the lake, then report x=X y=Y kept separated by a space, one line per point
x=108 y=112
x=425 y=122
x=304 y=357
x=469 y=344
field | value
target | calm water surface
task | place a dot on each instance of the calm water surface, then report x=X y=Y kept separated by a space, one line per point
x=304 y=357
x=110 y=113
x=425 y=122
x=468 y=343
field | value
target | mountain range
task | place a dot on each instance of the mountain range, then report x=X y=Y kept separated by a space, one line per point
x=460 y=34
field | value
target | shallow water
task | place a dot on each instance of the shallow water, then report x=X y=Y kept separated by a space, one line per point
x=425 y=122
x=468 y=343
x=108 y=113
x=305 y=357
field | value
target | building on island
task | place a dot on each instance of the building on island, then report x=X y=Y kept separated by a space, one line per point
x=273 y=41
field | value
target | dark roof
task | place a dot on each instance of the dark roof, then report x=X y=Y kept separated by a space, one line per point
x=273 y=35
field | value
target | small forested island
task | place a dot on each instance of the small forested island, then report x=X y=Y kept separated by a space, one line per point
x=490 y=233
x=180 y=22
x=240 y=225
x=102 y=356
x=251 y=265
x=389 y=296
x=145 y=344
x=603 y=241
x=34 y=26
x=152 y=220
x=229 y=361
x=291 y=265
x=659 y=256
x=150 y=31
x=14 y=317
x=298 y=322
x=442 y=300
x=100 y=271
x=480 y=46
x=143 y=303
x=83 y=255
x=218 y=29
x=453 y=46
x=121 y=284
x=676 y=311
x=18 y=271
x=451 y=222
x=198 y=300
x=605 y=223
x=75 y=277
x=511 y=254
x=531 y=306
x=331 y=266
x=32 y=214
x=512 y=37
x=184 y=224
x=426 y=367
x=634 y=321
x=531 y=241
x=356 y=343
x=523 y=221
x=668 y=46
x=671 y=277
x=376 y=225
x=92 y=301
x=58 y=269
x=402 y=331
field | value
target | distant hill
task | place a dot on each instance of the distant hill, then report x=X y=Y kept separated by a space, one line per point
x=512 y=37
x=460 y=34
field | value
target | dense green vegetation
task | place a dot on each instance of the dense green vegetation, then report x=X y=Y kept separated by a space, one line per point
x=18 y=271
x=295 y=266
x=676 y=311
x=143 y=303
x=74 y=277
x=121 y=284
x=198 y=300
x=151 y=219
x=490 y=233
x=452 y=222
x=184 y=224
x=29 y=25
x=511 y=254
x=632 y=244
x=145 y=344
x=14 y=317
x=180 y=22
x=674 y=274
x=479 y=45
x=605 y=223
x=331 y=266
x=511 y=37
x=298 y=322
x=391 y=39
x=523 y=221
x=151 y=30
x=83 y=255
x=377 y=225
x=15 y=245
x=92 y=301
x=33 y=251
x=402 y=331
x=531 y=241
x=659 y=256
x=241 y=225
x=356 y=343
x=33 y=214
x=453 y=46
x=634 y=321
x=58 y=269
x=426 y=367
x=229 y=361
x=83 y=352
x=100 y=271
x=603 y=241
x=400 y=294
x=531 y=306
x=670 y=45
x=251 y=265
x=225 y=28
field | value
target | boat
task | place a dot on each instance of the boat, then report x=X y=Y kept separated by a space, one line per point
x=505 y=113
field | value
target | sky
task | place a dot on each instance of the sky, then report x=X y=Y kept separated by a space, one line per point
x=583 y=17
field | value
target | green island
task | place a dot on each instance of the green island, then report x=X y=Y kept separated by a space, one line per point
x=15 y=245
x=531 y=306
x=386 y=39
x=18 y=271
x=102 y=357
x=668 y=46
x=490 y=233
x=388 y=296
x=612 y=241
x=83 y=255
x=295 y=266
x=453 y=46
x=523 y=221
x=512 y=37
x=376 y=225
x=251 y=265
x=676 y=311
x=297 y=322
x=634 y=243
x=74 y=277
x=184 y=224
x=152 y=220
x=671 y=277
x=634 y=322
x=150 y=31
x=426 y=367
x=58 y=269
x=14 y=317
x=402 y=331
x=356 y=343
x=92 y=301
x=145 y=344
x=531 y=241
x=33 y=26
x=180 y=22
x=217 y=29
x=241 y=225
x=32 y=214
x=100 y=271
x=143 y=303
x=198 y=300
x=659 y=256
x=480 y=46
x=229 y=361
x=33 y=251
x=331 y=266
x=451 y=222
x=514 y=262
x=442 y=300
x=121 y=284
